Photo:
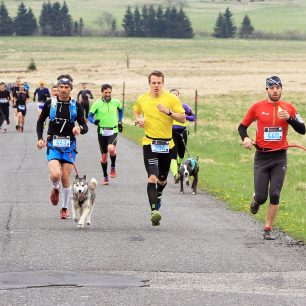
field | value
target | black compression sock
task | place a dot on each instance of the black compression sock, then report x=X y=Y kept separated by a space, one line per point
x=104 y=168
x=160 y=188
x=113 y=160
x=152 y=195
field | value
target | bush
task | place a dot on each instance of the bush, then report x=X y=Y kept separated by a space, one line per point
x=32 y=65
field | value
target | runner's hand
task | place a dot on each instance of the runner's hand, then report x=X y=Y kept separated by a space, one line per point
x=120 y=127
x=162 y=108
x=40 y=144
x=140 y=123
x=76 y=131
x=96 y=122
x=247 y=143
x=283 y=114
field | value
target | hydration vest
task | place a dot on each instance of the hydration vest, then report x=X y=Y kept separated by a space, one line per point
x=72 y=107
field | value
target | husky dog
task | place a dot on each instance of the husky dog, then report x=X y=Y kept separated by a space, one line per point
x=82 y=200
x=189 y=167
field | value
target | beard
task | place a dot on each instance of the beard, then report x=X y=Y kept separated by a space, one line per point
x=274 y=98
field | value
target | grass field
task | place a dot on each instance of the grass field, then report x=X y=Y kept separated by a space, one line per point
x=229 y=76
x=269 y=16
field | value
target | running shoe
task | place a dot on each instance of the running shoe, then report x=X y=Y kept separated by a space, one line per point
x=254 y=206
x=64 y=214
x=155 y=218
x=21 y=129
x=105 y=180
x=113 y=172
x=267 y=234
x=176 y=178
x=54 y=197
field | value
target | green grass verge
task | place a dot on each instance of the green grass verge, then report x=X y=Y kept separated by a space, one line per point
x=227 y=168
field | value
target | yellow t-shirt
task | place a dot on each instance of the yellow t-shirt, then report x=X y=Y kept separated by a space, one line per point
x=157 y=124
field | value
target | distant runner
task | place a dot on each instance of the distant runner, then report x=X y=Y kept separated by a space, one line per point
x=107 y=114
x=43 y=94
x=4 y=107
x=85 y=95
x=180 y=136
x=272 y=116
x=21 y=100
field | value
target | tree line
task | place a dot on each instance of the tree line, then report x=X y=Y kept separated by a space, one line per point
x=171 y=22
x=54 y=20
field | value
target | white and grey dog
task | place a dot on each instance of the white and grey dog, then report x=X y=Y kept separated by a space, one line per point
x=82 y=199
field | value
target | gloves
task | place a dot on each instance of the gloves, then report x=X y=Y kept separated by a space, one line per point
x=120 y=127
x=96 y=122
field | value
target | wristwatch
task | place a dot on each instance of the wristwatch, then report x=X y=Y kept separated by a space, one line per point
x=170 y=113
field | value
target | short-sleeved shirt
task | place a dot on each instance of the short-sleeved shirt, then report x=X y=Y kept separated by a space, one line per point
x=107 y=113
x=271 y=131
x=157 y=124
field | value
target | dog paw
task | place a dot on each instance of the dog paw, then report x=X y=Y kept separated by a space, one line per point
x=194 y=192
x=88 y=223
x=80 y=225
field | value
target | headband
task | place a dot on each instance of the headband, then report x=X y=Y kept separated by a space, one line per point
x=65 y=81
x=273 y=81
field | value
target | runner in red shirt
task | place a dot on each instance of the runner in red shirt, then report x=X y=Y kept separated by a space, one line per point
x=272 y=116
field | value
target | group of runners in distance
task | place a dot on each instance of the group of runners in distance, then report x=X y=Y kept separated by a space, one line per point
x=163 y=117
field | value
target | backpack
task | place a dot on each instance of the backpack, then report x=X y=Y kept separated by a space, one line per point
x=72 y=106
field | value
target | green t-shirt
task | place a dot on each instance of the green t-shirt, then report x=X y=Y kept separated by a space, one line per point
x=107 y=113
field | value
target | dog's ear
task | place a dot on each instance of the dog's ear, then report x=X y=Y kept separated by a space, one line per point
x=197 y=158
x=84 y=177
x=77 y=176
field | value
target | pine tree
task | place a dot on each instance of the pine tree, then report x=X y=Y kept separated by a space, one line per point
x=246 y=29
x=66 y=20
x=151 y=22
x=128 y=22
x=25 y=22
x=145 y=29
x=160 y=22
x=6 y=22
x=184 y=24
x=138 y=23
x=55 y=20
x=81 y=26
x=229 y=24
x=219 y=29
x=172 y=22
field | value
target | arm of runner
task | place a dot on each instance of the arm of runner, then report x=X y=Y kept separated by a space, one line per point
x=90 y=94
x=297 y=123
x=41 y=120
x=190 y=116
x=139 y=121
x=247 y=141
x=180 y=117
x=82 y=128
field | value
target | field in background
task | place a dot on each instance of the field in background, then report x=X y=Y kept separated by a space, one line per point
x=229 y=76
x=268 y=16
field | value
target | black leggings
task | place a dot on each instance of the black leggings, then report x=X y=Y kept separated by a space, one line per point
x=269 y=168
x=180 y=141
x=86 y=108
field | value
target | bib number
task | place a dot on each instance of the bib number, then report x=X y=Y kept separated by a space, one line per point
x=273 y=134
x=21 y=107
x=107 y=132
x=61 y=142
x=160 y=146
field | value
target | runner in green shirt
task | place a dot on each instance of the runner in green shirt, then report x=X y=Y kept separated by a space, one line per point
x=107 y=114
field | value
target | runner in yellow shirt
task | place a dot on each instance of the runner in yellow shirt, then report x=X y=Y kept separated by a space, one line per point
x=155 y=112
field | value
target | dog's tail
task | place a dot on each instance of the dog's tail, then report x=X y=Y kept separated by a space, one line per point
x=93 y=184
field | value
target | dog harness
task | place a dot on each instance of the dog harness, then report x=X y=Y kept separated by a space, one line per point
x=193 y=163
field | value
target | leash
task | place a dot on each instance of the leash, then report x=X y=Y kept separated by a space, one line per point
x=284 y=148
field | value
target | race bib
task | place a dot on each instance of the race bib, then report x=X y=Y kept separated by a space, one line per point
x=61 y=142
x=21 y=107
x=3 y=100
x=107 y=132
x=273 y=134
x=160 y=146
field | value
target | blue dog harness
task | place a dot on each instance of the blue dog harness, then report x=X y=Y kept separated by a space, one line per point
x=72 y=107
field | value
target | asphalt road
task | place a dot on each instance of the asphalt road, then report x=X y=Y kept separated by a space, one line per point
x=201 y=254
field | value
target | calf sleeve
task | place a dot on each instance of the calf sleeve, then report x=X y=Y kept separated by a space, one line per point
x=152 y=195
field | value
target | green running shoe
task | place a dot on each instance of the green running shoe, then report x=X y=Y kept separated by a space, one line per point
x=155 y=217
